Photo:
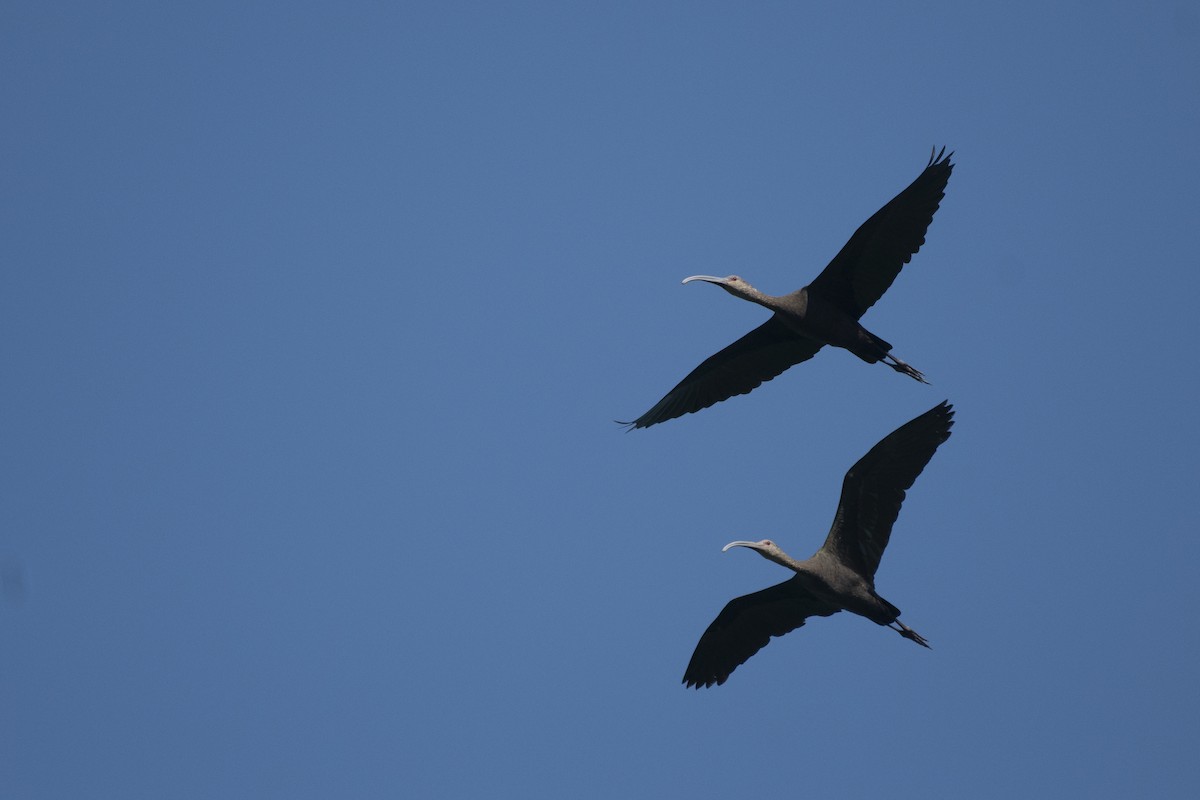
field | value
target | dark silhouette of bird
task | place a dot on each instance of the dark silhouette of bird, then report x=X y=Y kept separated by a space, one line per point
x=841 y=575
x=824 y=312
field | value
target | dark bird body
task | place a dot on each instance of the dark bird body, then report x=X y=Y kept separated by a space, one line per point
x=841 y=575
x=827 y=311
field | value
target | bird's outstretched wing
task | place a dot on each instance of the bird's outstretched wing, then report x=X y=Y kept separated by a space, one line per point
x=874 y=489
x=758 y=356
x=745 y=626
x=866 y=266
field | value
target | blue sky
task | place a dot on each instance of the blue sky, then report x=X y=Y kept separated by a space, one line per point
x=315 y=319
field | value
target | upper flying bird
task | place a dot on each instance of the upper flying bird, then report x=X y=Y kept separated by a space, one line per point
x=824 y=312
x=841 y=575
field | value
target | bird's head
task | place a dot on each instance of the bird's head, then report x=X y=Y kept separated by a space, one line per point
x=766 y=548
x=732 y=284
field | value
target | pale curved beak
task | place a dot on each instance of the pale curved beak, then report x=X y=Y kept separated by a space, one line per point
x=708 y=278
x=738 y=544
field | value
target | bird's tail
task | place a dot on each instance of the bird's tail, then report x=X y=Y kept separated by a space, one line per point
x=870 y=348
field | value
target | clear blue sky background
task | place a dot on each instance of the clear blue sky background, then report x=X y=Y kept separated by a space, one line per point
x=315 y=317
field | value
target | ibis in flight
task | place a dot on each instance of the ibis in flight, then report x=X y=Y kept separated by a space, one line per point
x=827 y=311
x=841 y=575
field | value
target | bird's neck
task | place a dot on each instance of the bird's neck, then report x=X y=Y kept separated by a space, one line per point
x=748 y=292
x=784 y=560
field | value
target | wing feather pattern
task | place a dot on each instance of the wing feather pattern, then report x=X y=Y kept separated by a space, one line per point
x=746 y=625
x=874 y=489
x=759 y=356
x=868 y=264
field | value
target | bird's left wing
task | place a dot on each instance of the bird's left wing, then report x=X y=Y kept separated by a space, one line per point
x=874 y=489
x=866 y=266
x=746 y=625
x=759 y=356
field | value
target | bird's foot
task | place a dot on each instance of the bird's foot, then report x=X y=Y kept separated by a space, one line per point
x=909 y=633
x=900 y=366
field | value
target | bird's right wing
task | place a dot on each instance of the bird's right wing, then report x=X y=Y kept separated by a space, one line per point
x=758 y=356
x=866 y=266
x=745 y=626
x=875 y=487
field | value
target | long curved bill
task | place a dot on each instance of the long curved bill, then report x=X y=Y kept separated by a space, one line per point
x=708 y=278
x=738 y=544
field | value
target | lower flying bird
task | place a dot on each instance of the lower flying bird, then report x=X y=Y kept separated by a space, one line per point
x=841 y=575
x=824 y=312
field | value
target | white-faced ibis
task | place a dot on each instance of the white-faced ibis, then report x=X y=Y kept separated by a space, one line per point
x=824 y=312
x=841 y=575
